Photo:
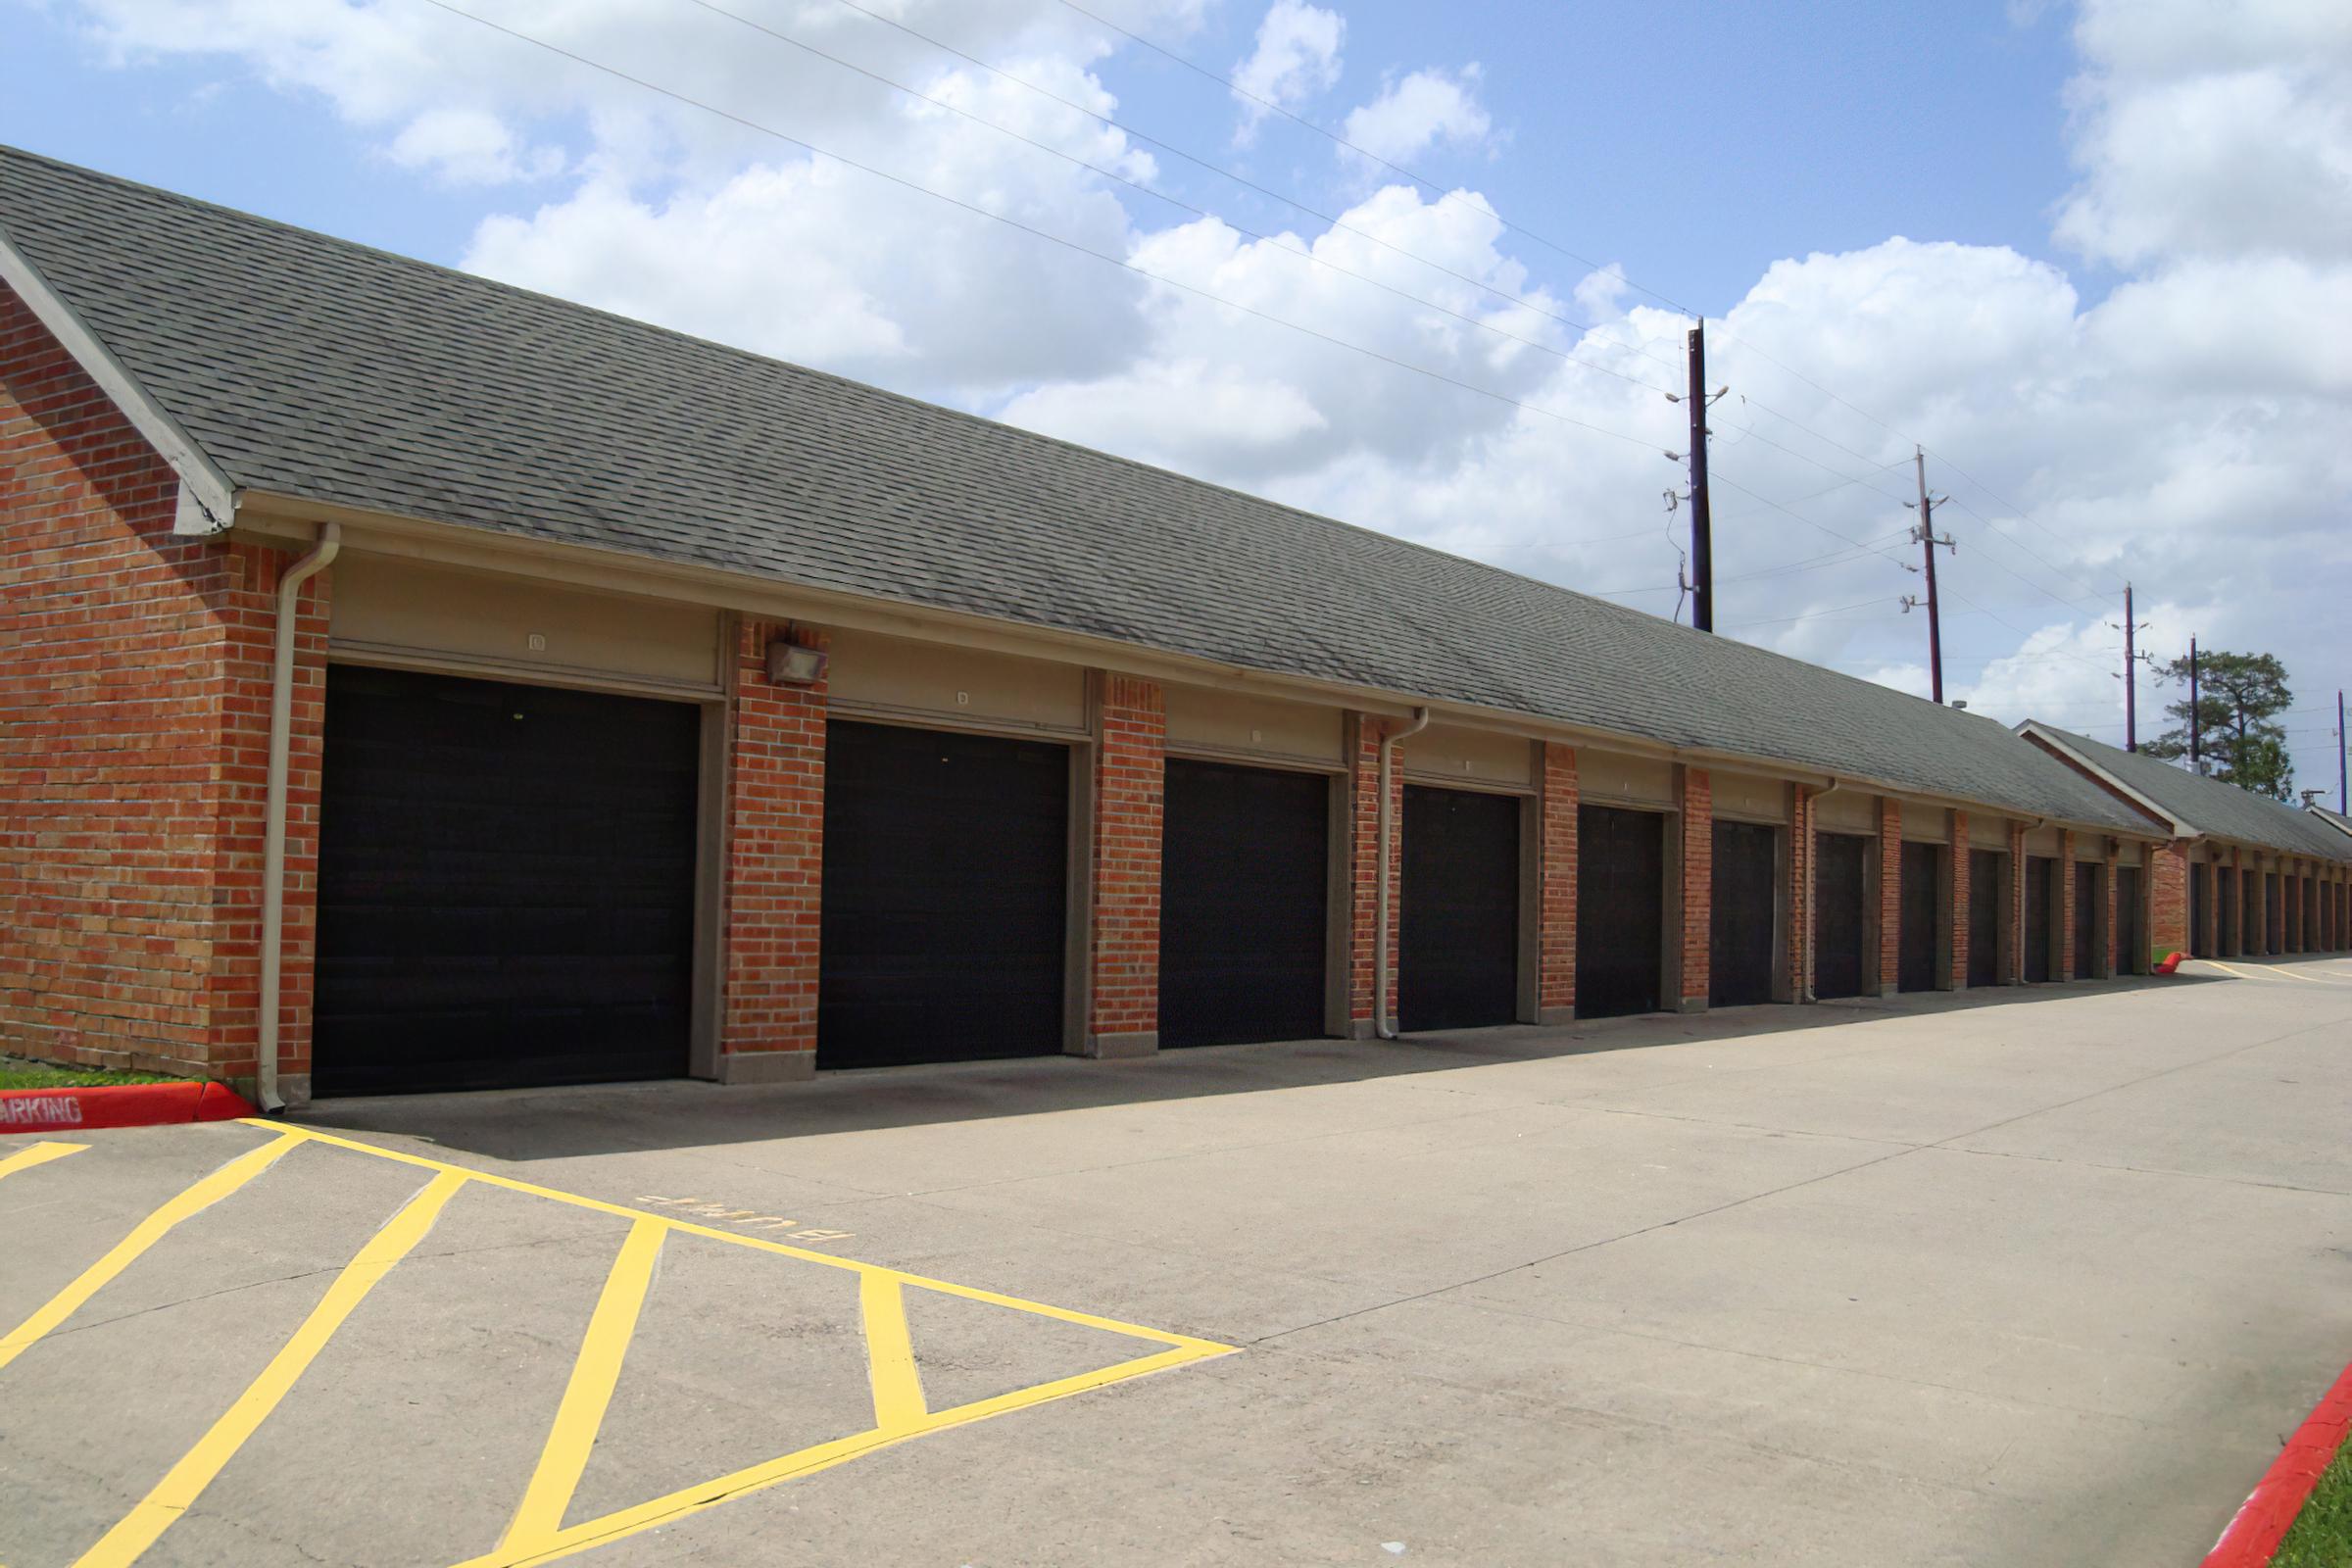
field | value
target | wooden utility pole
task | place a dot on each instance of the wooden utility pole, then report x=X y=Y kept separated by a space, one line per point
x=2344 y=746
x=1925 y=533
x=2131 y=681
x=1703 y=528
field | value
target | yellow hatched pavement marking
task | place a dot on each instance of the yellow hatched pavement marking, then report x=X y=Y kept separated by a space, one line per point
x=899 y=1411
x=38 y=1154
x=186 y=1480
x=890 y=1354
x=594 y=1373
x=149 y=1231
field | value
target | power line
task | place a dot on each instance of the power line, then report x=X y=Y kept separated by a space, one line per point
x=1303 y=252
x=1040 y=233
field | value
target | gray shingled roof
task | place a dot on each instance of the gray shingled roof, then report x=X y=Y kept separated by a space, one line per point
x=2334 y=819
x=307 y=366
x=2207 y=805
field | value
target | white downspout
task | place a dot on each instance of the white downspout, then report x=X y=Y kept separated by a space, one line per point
x=1382 y=1024
x=274 y=830
x=1813 y=881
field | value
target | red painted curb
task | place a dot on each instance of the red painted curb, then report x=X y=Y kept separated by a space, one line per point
x=39 y=1110
x=2269 y=1511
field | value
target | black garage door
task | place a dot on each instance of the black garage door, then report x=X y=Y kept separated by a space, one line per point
x=1241 y=899
x=1984 y=867
x=2198 y=946
x=1839 y=929
x=2131 y=947
x=506 y=885
x=2086 y=920
x=945 y=890
x=1739 y=936
x=1620 y=910
x=2273 y=915
x=1914 y=957
x=2039 y=869
x=2226 y=880
x=1457 y=934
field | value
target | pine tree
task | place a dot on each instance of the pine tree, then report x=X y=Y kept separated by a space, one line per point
x=2239 y=698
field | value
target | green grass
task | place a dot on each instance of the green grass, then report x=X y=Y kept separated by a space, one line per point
x=28 y=1075
x=2323 y=1532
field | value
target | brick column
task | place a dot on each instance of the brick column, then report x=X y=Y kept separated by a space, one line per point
x=2108 y=947
x=1556 y=906
x=1699 y=887
x=1363 y=838
x=1957 y=979
x=2169 y=871
x=2246 y=917
x=2064 y=968
x=1890 y=895
x=1800 y=893
x=2016 y=914
x=774 y=859
x=1131 y=731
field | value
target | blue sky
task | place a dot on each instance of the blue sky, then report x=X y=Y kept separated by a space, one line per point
x=2094 y=256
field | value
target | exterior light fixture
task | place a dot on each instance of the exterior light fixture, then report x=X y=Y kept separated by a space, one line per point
x=791 y=665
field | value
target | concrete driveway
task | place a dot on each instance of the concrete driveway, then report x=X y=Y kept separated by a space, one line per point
x=2018 y=1278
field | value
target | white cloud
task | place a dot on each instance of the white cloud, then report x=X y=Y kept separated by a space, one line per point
x=468 y=147
x=1296 y=57
x=1419 y=111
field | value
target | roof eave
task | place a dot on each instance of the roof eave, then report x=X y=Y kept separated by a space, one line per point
x=2180 y=827
x=292 y=517
x=208 y=499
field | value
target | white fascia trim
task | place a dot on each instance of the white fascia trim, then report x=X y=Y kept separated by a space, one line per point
x=208 y=502
x=2181 y=828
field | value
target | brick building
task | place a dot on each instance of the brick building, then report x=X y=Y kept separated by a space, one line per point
x=2243 y=876
x=415 y=683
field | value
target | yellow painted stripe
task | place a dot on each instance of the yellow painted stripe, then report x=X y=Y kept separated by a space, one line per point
x=761 y=1243
x=149 y=1231
x=594 y=1373
x=186 y=1480
x=689 y=1500
x=38 y=1154
x=890 y=1354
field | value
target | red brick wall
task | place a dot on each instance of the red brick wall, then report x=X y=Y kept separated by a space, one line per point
x=1891 y=894
x=1555 y=938
x=2167 y=898
x=2016 y=904
x=1957 y=977
x=2064 y=915
x=1363 y=839
x=1130 y=790
x=133 y=734
x=1698 y=883
x=775 y=850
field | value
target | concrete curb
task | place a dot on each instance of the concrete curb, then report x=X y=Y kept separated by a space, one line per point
x=38 y=1110
x=2269 y=1511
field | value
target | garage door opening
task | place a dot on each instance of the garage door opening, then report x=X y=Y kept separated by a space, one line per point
x=2273 y=915
x=2131 y=945
x=2230 y=886
x=2041 y=899
x=1840 y=915
x=1987 y=895
x=1620 y=910
x=2087 y=891
x=1741 y=938
x=1243 y=899
x=1457 y=928
x=1922 y=931
x=945 y=897
x=506 y=885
